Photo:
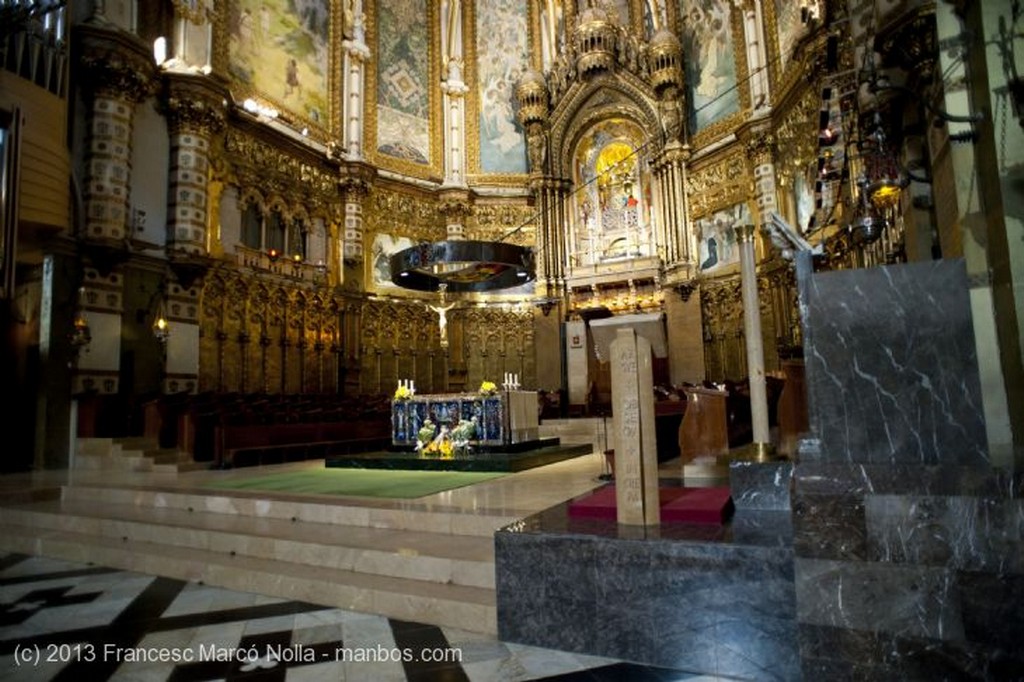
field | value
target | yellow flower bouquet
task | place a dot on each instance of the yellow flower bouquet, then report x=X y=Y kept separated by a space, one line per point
x=488 y=388
x=403 y=392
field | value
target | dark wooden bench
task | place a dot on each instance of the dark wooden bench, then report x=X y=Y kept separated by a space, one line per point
x=275 y=443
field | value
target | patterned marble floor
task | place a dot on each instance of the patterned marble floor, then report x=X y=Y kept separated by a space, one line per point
x=66 y=621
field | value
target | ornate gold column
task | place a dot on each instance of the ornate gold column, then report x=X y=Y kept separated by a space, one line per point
x=354 y=187
x=195 y=110
x=552 y=233
x=760 y=147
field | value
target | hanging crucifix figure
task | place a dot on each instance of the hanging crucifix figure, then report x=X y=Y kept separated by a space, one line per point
x=442 y=310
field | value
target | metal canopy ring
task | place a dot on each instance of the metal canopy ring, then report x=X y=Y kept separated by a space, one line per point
x=463 y=265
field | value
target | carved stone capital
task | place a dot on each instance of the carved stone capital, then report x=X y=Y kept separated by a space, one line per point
x=195 y=103
x=356 y=181
x=455 y=205
x=114 y=64
x=760 y=145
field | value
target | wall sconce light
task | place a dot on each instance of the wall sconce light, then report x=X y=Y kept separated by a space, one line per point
x=161 y=330
x=273 y=255
x=80 y=335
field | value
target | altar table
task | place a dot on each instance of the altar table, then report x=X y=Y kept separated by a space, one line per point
x=503 y=418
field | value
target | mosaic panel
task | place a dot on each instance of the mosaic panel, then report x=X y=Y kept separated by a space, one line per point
x=403 y=121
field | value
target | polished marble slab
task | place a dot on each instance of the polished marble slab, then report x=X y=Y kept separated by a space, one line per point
x=891 y=366
x=907 y=542
x=713 y=599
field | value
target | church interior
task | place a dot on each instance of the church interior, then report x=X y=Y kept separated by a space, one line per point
x=244 y=237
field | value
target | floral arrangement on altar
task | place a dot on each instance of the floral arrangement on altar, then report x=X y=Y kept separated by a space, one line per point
x=488 y=388
x=446 y=443
x=443 y=448
x=406 y=389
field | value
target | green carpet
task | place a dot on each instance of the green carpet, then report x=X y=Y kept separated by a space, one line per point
x=358 y=482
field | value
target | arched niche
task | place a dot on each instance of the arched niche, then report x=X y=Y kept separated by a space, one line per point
x=611 y=203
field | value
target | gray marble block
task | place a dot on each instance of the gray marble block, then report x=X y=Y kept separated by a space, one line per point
x=892 y=371
x=760 y=485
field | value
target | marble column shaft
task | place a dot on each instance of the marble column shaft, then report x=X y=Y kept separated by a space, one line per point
x=752 y=330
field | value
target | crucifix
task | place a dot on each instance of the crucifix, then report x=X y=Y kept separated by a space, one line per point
x=442 y=309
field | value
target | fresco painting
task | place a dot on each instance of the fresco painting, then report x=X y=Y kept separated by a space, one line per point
x=717 y=240
x=710 y=62
x=278 y=49
x=502 y=57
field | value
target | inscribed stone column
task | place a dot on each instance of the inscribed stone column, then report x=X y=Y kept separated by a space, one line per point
x=636 y=451
x=752 y=331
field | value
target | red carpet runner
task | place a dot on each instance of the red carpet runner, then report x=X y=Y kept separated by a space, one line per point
x=681 y=505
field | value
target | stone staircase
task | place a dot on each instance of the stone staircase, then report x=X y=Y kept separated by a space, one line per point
x=132 y=454
x=578 y=430
x=410 y=563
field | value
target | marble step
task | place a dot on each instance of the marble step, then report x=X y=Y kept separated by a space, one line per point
x=138 y=454
x=404 y=516
x=461 y=606
x=449 y=559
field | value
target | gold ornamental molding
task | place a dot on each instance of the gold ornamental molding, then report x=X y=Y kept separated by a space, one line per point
x=759 y=143
x=718 y=184
x=265 y=166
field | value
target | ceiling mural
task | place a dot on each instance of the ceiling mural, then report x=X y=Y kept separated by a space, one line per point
x=278 y=50
x=711 y=76
x=403 y=120
x=502 y=56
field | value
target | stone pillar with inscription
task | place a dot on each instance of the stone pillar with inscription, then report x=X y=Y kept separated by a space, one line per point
x=636 y=452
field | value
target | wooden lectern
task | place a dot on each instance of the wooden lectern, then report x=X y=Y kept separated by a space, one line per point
x=704 y=431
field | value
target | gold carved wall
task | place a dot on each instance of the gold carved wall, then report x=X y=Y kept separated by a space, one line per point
x=258 y=334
